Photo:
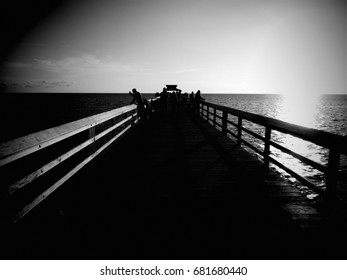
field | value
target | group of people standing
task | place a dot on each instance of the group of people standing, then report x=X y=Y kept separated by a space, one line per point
x=170 y=101
x=176 y=98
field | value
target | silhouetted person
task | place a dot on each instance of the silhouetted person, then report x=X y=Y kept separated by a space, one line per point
x=191 y=99
x=179 y=97
x=197 y=100
x=173 y=101
x=163 y=100
x=137 y=99
x=148 y=108
x=185 y=99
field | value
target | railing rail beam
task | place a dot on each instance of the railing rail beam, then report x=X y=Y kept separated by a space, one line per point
x=25 y=145
x=120 y=120
x=336 y=144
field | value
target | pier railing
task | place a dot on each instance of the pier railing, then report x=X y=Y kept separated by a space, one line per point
x=27 y=159
x=32 y=167
x=218 y=116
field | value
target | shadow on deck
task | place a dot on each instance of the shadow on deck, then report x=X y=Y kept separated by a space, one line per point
x=177 y=188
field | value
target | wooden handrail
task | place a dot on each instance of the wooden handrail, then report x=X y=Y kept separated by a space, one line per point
x=21 y=147
x=62 y=180
x=43 y=169
x=319 y=137
x=25 y=145
x=336 y=144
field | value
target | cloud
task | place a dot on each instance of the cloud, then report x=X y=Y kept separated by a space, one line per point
x=83 y=64
x=17 y=65
x=54 y=73
x=77 y=65
x=35 y=84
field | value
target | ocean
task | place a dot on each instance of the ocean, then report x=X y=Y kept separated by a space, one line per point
x=24 y=113
x=21 y=114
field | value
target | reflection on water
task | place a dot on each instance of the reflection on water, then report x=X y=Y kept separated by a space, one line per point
x=320 y=112
x=304 y=111
x=301 y=110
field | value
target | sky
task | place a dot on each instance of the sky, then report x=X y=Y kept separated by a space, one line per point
x=218 y=46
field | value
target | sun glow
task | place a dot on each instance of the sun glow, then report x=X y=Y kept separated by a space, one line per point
x=299 y=109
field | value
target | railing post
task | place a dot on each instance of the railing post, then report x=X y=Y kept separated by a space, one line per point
x=92 y=145
x=224 y=122
x=239 y=130
x=214 y=116
x=331 y=181
x=208 y=112
x=114 y=121
x=267 y=146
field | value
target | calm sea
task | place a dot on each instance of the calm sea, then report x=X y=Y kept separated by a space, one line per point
x=21 y=114
x=25 y=113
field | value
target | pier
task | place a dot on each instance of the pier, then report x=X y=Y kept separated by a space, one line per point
x=178 y=186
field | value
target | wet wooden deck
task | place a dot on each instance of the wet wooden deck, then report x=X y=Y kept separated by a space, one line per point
x=176 y=188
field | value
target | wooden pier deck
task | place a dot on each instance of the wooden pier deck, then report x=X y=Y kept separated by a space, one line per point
x=177 y=188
